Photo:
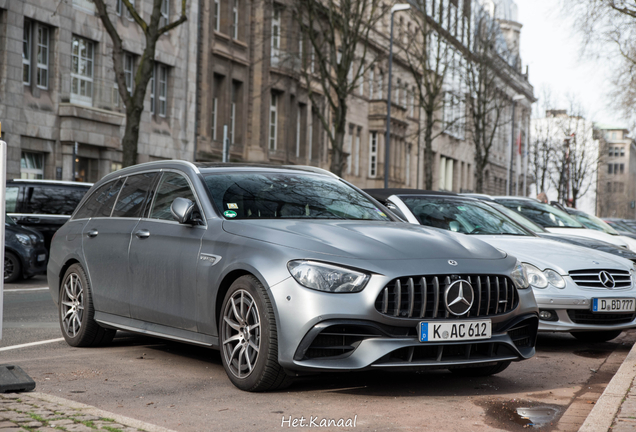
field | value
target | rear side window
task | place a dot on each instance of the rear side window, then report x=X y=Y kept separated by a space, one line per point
x=172 y=186
x=133 y=196
x=101 y=202
x=11 y=196
x=52 y=199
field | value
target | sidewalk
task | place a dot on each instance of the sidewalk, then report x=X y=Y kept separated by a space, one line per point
x=615 y=410
x=45 y=413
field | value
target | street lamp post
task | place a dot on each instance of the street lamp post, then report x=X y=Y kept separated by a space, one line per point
x=387 y=139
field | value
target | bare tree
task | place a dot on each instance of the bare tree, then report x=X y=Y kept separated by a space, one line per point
x=134 y=101
x=338 y=34
x=542 y=147
x=431 y=60
x=487 y=102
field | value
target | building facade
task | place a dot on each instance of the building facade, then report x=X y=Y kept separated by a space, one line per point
x=60 y=108
x=616 y=185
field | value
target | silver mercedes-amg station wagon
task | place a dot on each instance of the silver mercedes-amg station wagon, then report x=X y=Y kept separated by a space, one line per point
x=286 y=270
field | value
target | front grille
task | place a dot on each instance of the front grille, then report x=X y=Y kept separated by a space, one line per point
x=584 y=316
x=423 y=296
x=449 y=353
x=592 y=278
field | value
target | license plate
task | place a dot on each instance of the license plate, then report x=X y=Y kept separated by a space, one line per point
x=41 y=257
x=455 y=330
x=613 y=305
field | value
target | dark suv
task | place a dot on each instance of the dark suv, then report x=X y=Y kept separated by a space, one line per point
x=24 y=252
x=44 y=205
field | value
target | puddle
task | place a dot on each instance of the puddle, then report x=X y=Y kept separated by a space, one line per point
x=592 y=353
x=523 y=413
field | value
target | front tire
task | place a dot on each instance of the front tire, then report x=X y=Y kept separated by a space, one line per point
x=596 y=336
x=482 y=371
x=248 y=338
x=79 y=328
x=12 y=267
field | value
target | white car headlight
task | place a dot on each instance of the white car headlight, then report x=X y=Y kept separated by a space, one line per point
x=519 y=276
x=24 y=239
x=535 y=276
x=327 y=277
x=554 y=278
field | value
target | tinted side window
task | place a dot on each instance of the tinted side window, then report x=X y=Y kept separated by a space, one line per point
x=133 y=195
x=100 y=204
x=11 y=196
x=172 y=186
x=52 y=199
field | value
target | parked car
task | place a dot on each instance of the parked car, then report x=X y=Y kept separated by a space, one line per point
x=555 y=220
x=594 y=223
x=590 y=294
x=44 y=205
x=623 y=226
x=24 y=252
x=285 y=270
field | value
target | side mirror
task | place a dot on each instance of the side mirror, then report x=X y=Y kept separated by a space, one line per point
x=182 y=209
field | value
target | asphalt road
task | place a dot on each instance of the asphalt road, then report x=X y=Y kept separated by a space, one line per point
x=185 y=388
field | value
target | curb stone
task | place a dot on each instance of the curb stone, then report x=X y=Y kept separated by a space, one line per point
x=80 y=410
x=604 y=412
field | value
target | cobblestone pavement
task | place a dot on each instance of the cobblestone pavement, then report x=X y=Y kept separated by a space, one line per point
x=626 y=417
x=44 y=413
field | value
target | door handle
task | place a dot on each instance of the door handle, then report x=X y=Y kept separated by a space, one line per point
x=142 y=234
x=92 y=233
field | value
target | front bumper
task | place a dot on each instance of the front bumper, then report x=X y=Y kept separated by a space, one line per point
x=34 y=260
x=573 y=313
x=371 y=340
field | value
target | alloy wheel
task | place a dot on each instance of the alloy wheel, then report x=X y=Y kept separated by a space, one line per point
x=9 y=268
x=241 y=333
x=72 y=309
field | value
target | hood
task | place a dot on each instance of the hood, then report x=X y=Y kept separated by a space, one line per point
x=631 y=243
x=562 y=257
x=591 y=243
x=585 y=232
x=368 y=240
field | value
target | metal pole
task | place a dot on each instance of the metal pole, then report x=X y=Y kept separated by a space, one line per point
x=226 y=146
x=512 y=141
x=387 y=138
x=3 y=180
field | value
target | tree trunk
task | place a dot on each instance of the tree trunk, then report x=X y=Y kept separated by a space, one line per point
x=428 y=151
x=131 y=135
x=338 y=159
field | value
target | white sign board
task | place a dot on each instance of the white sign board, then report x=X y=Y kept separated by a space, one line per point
x=3 y=189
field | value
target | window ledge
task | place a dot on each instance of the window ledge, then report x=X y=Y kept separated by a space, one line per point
x=67 y=109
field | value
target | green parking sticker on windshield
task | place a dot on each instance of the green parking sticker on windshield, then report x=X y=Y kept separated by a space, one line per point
x=462 y=208
x=229 y=214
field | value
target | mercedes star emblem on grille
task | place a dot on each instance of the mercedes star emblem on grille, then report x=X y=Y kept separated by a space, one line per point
x=452 y=262
x=459 y=297
x=606 y=279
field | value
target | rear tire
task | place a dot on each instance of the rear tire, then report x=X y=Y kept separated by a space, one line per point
x=79 y=328
x=248 y=338
x=597 y=336
x=12 y=267
x=482 y=371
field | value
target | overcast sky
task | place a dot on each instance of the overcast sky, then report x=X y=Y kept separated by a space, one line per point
x=551 y=48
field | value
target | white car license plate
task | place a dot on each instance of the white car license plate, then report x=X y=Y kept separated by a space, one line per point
x=454 y=330
x=41 y=257
x=613 y=305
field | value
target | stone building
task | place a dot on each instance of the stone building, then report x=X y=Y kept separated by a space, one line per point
x=616 y=187
x=60 y=109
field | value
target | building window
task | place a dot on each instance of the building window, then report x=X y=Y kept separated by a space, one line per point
x=380 y=85
x=373 y=154
x=276 y=32
x=622 y=168
x=162 y=89
x=235 y=18
x=118 y=7
x=42 y=74
x=312 y=60
x=371 y=83
x=128 y=72
x=622 y=149
x=217 y=15
x=610 y=168
x=397 y=91
x=361 y=82
x=236 y=88
x=128 y=14
x=26 y=53
x=611 y=151
x=356 y=152
x=299 y=114
x=32 y=165
x=349 y=149
x=82 y=71
x=151 y=83
x=412 y=102
x=165 y=13
x=273 y=121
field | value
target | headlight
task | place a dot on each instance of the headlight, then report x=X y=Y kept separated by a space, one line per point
x=24 y=239
x=519 y=276
x=536 y=278
x=34 y=238
x=554 y=278
x=326 y=277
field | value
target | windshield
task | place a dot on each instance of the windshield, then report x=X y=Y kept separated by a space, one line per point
x=468 y=217
x=542 y=214
x=594 y=223
x=288 y=196
x=521 y=220
x=621 y=226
